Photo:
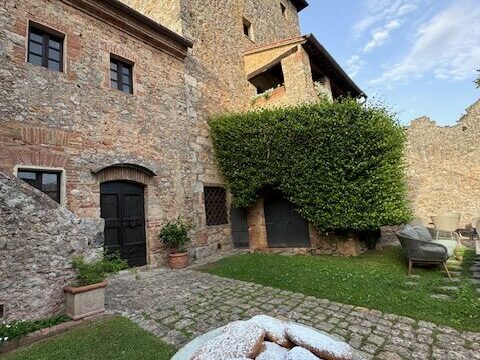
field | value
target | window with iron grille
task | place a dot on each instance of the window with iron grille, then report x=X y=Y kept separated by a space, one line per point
x=45 y=49
x=45 y=181
x=121 y=75
x=215 y=205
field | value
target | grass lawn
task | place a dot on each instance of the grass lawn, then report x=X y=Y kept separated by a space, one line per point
x=376 y=280
x=112 y=339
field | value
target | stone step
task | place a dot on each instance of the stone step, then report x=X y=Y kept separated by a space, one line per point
x=448 y=289
x=442 y=297
x=455 y=273
x=454 y=263
x=475 y=281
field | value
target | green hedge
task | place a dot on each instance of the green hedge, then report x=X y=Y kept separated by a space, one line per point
x=340 y=164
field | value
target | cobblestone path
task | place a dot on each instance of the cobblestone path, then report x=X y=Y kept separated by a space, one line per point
x=177 y=306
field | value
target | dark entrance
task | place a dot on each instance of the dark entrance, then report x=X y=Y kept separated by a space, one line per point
x=122 y=207
x=239 y=228
x=285 y=227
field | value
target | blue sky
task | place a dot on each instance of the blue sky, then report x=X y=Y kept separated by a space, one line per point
x=417 y=56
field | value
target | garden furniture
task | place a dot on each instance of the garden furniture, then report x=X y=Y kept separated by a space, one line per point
x=449 y=222
x=420 y=247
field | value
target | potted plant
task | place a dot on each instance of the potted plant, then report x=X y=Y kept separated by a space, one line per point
x=174 y=236
x=87 y=296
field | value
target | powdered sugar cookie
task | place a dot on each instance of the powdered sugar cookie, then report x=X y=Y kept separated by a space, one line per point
x=241 y=340
x=272 y=351
x=274 y=329
x=299 y=353
x=320 y=344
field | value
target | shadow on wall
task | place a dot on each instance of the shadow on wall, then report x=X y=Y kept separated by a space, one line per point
x=38 y=239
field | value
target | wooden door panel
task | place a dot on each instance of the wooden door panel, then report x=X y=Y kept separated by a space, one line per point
x=122 y=207
x=285 y=227
x=240 y=237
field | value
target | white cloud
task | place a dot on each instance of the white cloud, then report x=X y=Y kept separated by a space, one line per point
x=354 y=65
x=381 y=12
x=381 y=35
x=447 y=46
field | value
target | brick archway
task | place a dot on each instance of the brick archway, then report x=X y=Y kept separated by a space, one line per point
x=125 y=172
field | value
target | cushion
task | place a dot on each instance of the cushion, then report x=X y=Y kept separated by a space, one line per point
x=451 y=245
x=410 y=232
x=423 y=233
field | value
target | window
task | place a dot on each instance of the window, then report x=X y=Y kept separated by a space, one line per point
x=215 y=205
x=284 y=10
x=45 y=49
x=270 y=79
x=45 y=181
x=247 y=28
x=121 y=75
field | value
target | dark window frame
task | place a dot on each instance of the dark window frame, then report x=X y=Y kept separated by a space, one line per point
x=121 y=64
x=215 y=200
x=47 y=35
x=248 y=28
x=38 y=183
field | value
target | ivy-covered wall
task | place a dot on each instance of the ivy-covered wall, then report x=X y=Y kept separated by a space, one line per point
x=340 y=164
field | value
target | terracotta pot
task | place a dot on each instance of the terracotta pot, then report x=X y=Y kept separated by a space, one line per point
x=84 y=301
x=178 y=261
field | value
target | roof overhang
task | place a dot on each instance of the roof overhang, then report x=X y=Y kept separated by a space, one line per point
x=328 y=65
x=126 y=19
x=300 y=4
x=136 y=167
x=262 y=58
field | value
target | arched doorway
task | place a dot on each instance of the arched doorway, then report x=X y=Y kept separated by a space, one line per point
x=285 y=227
x=122 y=207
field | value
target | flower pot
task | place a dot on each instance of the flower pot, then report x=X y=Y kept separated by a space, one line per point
x=84 y=301
x=178 y=261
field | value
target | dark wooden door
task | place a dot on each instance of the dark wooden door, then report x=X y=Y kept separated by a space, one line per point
x=285 y=227
x=238 y=218
x=122 y=207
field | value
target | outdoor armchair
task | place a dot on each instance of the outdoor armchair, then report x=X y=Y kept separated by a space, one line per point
x=422 y=251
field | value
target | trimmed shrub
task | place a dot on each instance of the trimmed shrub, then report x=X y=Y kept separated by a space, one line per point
x=340 y=164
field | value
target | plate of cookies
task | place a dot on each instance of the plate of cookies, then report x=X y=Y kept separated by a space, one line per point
x=266 y=338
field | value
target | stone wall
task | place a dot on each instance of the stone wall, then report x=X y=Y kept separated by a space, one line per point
x=443 y=166
x=38 y=239
x=74 y=120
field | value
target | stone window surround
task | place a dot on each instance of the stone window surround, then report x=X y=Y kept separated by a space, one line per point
x=133 y=72
x=51 y=30
x=63 y=177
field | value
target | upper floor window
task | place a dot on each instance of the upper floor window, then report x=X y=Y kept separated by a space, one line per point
x=45 y=49
x=283 y=8
x=121 y=75
x=45 y=181
x=247 y=28
x=215 y=205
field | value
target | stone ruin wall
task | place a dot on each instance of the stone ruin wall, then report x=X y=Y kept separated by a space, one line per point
x=38 y=239
x=443 y=166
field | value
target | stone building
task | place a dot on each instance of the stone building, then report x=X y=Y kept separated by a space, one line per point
x=104 y=111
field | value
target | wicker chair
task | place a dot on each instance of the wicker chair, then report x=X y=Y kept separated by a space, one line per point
x=423 y=252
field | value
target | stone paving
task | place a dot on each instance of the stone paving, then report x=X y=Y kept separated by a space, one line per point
x=177 y=306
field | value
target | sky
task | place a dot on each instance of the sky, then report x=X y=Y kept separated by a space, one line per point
x=418 y=57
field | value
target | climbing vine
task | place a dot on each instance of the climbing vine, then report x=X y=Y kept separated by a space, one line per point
x=340 y=163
